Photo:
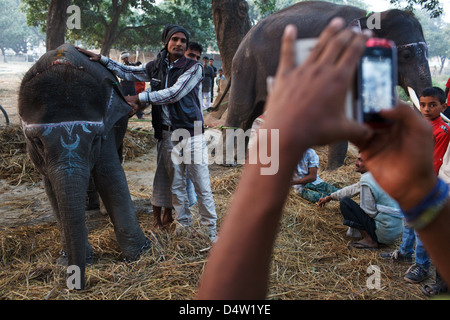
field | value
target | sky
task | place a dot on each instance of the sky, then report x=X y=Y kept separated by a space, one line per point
x=382 y=5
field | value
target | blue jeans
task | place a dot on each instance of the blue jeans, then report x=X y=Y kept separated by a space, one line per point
x=409 y=237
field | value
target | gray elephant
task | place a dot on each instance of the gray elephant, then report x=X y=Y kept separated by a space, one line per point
x=74 y=118
x=258 y=54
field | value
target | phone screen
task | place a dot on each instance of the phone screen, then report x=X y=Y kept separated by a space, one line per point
x=376 y=83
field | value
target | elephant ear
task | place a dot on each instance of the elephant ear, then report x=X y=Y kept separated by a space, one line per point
x=116 y=105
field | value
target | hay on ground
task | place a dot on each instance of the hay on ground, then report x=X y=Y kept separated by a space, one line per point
x=311 y=257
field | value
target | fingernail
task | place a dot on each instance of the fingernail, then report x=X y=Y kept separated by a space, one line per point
x=290 y=28
x=368 y=32
x=355 y=29
x=337 y=22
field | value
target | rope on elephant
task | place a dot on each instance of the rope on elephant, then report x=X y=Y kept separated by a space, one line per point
x=221 y=104
x=221 y=128
x=215 y=107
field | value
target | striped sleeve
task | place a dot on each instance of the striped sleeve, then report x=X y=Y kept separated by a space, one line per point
x=129 y=73
x=185 y=83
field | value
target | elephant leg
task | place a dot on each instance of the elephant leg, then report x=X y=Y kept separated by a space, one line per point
x=241 y=112
x=157 y=223
x=336 y=154
x=112 y=185
x=93 y=201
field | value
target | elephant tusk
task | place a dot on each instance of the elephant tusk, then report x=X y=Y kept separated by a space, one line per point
x=414 y=98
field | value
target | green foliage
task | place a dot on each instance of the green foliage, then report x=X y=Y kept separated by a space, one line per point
x=259 y=9
x=36 y=12
x=130 y=24
x=356 y=3
x=196 y=17
x=436 y=32
x=431 y=6
x=125 y=23
x=14 y=32
x=266 y=7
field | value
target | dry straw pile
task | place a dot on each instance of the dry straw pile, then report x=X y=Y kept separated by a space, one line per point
x=311 y=258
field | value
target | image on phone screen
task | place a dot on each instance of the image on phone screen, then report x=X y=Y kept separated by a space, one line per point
x=376 y=83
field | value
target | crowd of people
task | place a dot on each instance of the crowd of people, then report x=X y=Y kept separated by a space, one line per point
x=400 y=189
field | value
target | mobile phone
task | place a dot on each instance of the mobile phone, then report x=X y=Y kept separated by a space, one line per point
x=303 y=48
x=377 y=81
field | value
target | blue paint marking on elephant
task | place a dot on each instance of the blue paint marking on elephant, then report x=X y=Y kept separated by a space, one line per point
x=70 y=156
x=110 y=99
x=67 y=125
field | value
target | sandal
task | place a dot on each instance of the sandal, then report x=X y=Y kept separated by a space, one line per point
x=360 y=245
x=431 y=290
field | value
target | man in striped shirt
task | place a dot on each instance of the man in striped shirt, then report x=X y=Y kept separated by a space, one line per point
x=175 y=82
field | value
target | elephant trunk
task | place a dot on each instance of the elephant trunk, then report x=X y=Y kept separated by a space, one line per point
x=70 y=191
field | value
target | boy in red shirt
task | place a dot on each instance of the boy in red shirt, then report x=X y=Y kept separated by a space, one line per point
x=432 y=104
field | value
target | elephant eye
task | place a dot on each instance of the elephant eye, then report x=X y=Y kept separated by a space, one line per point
x=412 y=50
x=38 y=143
x=406 y=54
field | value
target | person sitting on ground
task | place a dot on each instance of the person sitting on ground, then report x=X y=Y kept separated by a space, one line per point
x=377 y=218
x=306 y=181
x=399 y=158
x=348 y=191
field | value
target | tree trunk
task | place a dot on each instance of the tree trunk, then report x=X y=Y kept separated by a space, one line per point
x=232 y=23
x=111 y=28
x=442 y=64
x=4 y=55
x=56 y=23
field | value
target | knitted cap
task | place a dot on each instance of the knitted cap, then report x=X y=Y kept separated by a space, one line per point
x=170 y=30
